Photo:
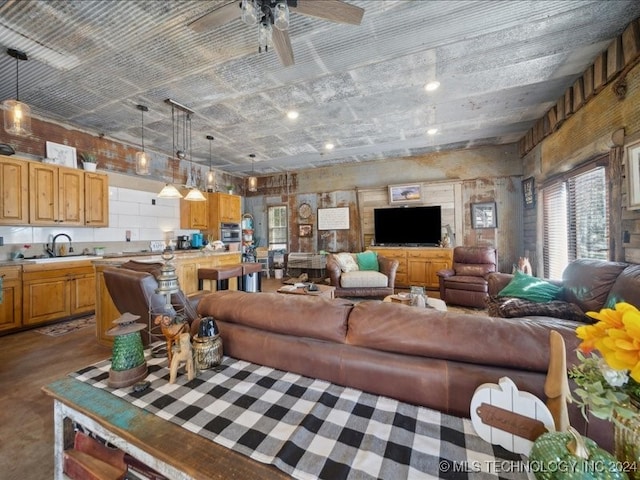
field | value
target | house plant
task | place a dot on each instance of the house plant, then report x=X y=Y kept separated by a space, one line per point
x=89 y=161
x=608 y=380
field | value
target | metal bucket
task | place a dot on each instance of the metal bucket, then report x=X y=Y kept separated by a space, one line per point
x=207 y=352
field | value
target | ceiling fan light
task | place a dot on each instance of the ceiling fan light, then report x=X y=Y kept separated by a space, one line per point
x=169 y=191
x=17 y=117
x=249 y=12
x=281 y=16
x=142 y=163
x=195 y=195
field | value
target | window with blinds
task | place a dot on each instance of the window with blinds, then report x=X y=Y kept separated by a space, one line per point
x=277 y=226
x=576 y=220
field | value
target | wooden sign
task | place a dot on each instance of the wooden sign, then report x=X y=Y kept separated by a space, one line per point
x=502 y=415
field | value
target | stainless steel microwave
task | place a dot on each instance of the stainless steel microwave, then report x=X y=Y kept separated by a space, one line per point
x=230 y=232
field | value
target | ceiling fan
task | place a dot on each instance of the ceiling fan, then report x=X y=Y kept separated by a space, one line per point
x=275 y=13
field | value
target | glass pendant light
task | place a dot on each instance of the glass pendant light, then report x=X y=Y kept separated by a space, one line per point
x=211 y=175
x=252 y=182
x=169 y=190
x=194 y=195
x=17 y=115
x=281 y=16
x=250 y=12
x=265 y=36
x=142 y=158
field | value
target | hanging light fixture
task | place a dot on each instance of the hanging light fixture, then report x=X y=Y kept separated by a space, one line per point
x=194 y=195
x=17 y=115
x=252 y=183
x=142 y=158
x=169 y=190
x=211 y=175
x=267 y=14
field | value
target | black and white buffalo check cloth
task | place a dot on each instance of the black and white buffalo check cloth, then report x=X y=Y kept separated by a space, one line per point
x=312 y=429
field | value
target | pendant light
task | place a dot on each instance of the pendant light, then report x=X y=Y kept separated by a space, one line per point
x=211 y=175
x=194 y=195
x=17 y=115
x=252 y=183
x=169 y=190
x=142 y=158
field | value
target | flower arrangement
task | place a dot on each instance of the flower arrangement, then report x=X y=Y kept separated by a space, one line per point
x=608 y=379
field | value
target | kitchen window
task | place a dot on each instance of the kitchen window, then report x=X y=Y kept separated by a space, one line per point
x=277 y=226
x=576 y=219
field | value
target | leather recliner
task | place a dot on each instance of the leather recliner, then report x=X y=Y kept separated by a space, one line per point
x=466 y=283
x=132 y=287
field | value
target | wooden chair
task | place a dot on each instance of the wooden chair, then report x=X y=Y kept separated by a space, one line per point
x=262 y=256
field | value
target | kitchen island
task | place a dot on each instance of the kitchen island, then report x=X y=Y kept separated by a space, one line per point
x=187 y=264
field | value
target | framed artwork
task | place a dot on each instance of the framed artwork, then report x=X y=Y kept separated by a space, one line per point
x=633 y=175
x=336 y=218
x=405 y=193
x=305 y=230
x=528 y=192
x=62 y=155
x=483 y=215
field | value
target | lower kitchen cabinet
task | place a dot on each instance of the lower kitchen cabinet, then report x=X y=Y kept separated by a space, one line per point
x=418 y=265
x=11 y=305
x=52 y=293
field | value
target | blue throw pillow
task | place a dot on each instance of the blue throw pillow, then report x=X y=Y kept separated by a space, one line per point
x=530 y=288
x=368 y=261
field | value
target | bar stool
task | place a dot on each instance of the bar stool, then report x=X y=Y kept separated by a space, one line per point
x=220 y=274
x=250 y=281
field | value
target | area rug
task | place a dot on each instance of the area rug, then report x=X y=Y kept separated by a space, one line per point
x=69 y=326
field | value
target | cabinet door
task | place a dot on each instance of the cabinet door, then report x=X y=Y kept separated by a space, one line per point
x=230 y=208
x=46 y=299
x=83 y=294
x=434 y=267
x=187 y=272
x=96 y=199
x=11 y=306
x=43 y=194
x=71 y=196
x=194 y=214
x=14 y=192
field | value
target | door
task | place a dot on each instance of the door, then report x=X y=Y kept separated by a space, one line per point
x=11 y=305
x=46 y=299
x=96 y=199
x=43 y=194
x=71 y=196
x=14 y=192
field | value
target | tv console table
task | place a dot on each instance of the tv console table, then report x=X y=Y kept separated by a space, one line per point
x=418 y=265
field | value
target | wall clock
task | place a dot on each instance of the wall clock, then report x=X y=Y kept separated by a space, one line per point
x=304 y=210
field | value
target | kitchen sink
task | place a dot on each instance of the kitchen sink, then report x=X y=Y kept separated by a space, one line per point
x=66 y=258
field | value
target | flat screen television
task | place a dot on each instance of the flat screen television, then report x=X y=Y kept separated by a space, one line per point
x=410 y=226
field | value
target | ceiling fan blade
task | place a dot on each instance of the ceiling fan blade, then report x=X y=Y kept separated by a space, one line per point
x=217 y=17
x=282 y=44
x=332 y=10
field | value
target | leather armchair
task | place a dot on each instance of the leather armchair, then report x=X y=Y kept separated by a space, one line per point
x=387 y=266
x=466 y=283
x=132 y=287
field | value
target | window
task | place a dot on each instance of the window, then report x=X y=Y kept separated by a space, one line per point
x=277 y=225
x=576 y=220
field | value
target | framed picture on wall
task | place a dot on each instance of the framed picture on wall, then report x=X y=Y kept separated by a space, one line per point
x=305 y=230
x=633 y=175
x=528 y=192
x=62 y=155
x=405 y=193
x=483 y=215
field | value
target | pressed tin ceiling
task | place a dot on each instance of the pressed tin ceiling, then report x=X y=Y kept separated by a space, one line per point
x=501 y=65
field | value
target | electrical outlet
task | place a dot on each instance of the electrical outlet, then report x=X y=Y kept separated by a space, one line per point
x=1 y=241
x=153 y=201
x=128 y=235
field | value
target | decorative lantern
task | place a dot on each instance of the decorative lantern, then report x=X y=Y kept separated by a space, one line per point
x=128 y=365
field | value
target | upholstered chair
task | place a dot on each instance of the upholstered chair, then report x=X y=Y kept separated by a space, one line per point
x=466 y=283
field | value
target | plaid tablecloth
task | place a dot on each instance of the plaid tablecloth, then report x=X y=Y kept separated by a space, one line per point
x=311 y=429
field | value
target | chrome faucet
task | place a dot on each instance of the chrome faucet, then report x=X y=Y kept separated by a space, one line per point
x=52 y=251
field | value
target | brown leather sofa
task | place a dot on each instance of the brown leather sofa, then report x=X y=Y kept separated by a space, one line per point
x=466 y=282
x=387 y=266
x=132 y=287
x=421 y=356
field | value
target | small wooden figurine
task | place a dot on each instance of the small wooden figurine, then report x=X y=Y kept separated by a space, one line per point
x=171 y=331
x=184 y=355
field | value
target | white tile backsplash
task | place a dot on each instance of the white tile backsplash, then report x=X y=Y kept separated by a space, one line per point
x=128 y=210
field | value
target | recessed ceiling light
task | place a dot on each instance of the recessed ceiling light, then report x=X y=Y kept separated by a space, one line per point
x=432 y=131
x=329 y=146
x=431 y=86
x=292 y=114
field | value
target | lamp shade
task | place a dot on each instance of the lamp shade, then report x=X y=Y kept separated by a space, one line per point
x=169 y=191
x=252 y=184
x=17 y=117
x=195 y=195
x=142 y=163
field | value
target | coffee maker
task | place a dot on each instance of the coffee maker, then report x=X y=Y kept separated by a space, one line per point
x=183 y=242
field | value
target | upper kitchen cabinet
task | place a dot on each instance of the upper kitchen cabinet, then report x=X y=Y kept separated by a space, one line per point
x=14 y=191
x=56 y=195
x=96 y=199
x=224 y=207
x=194 y=215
